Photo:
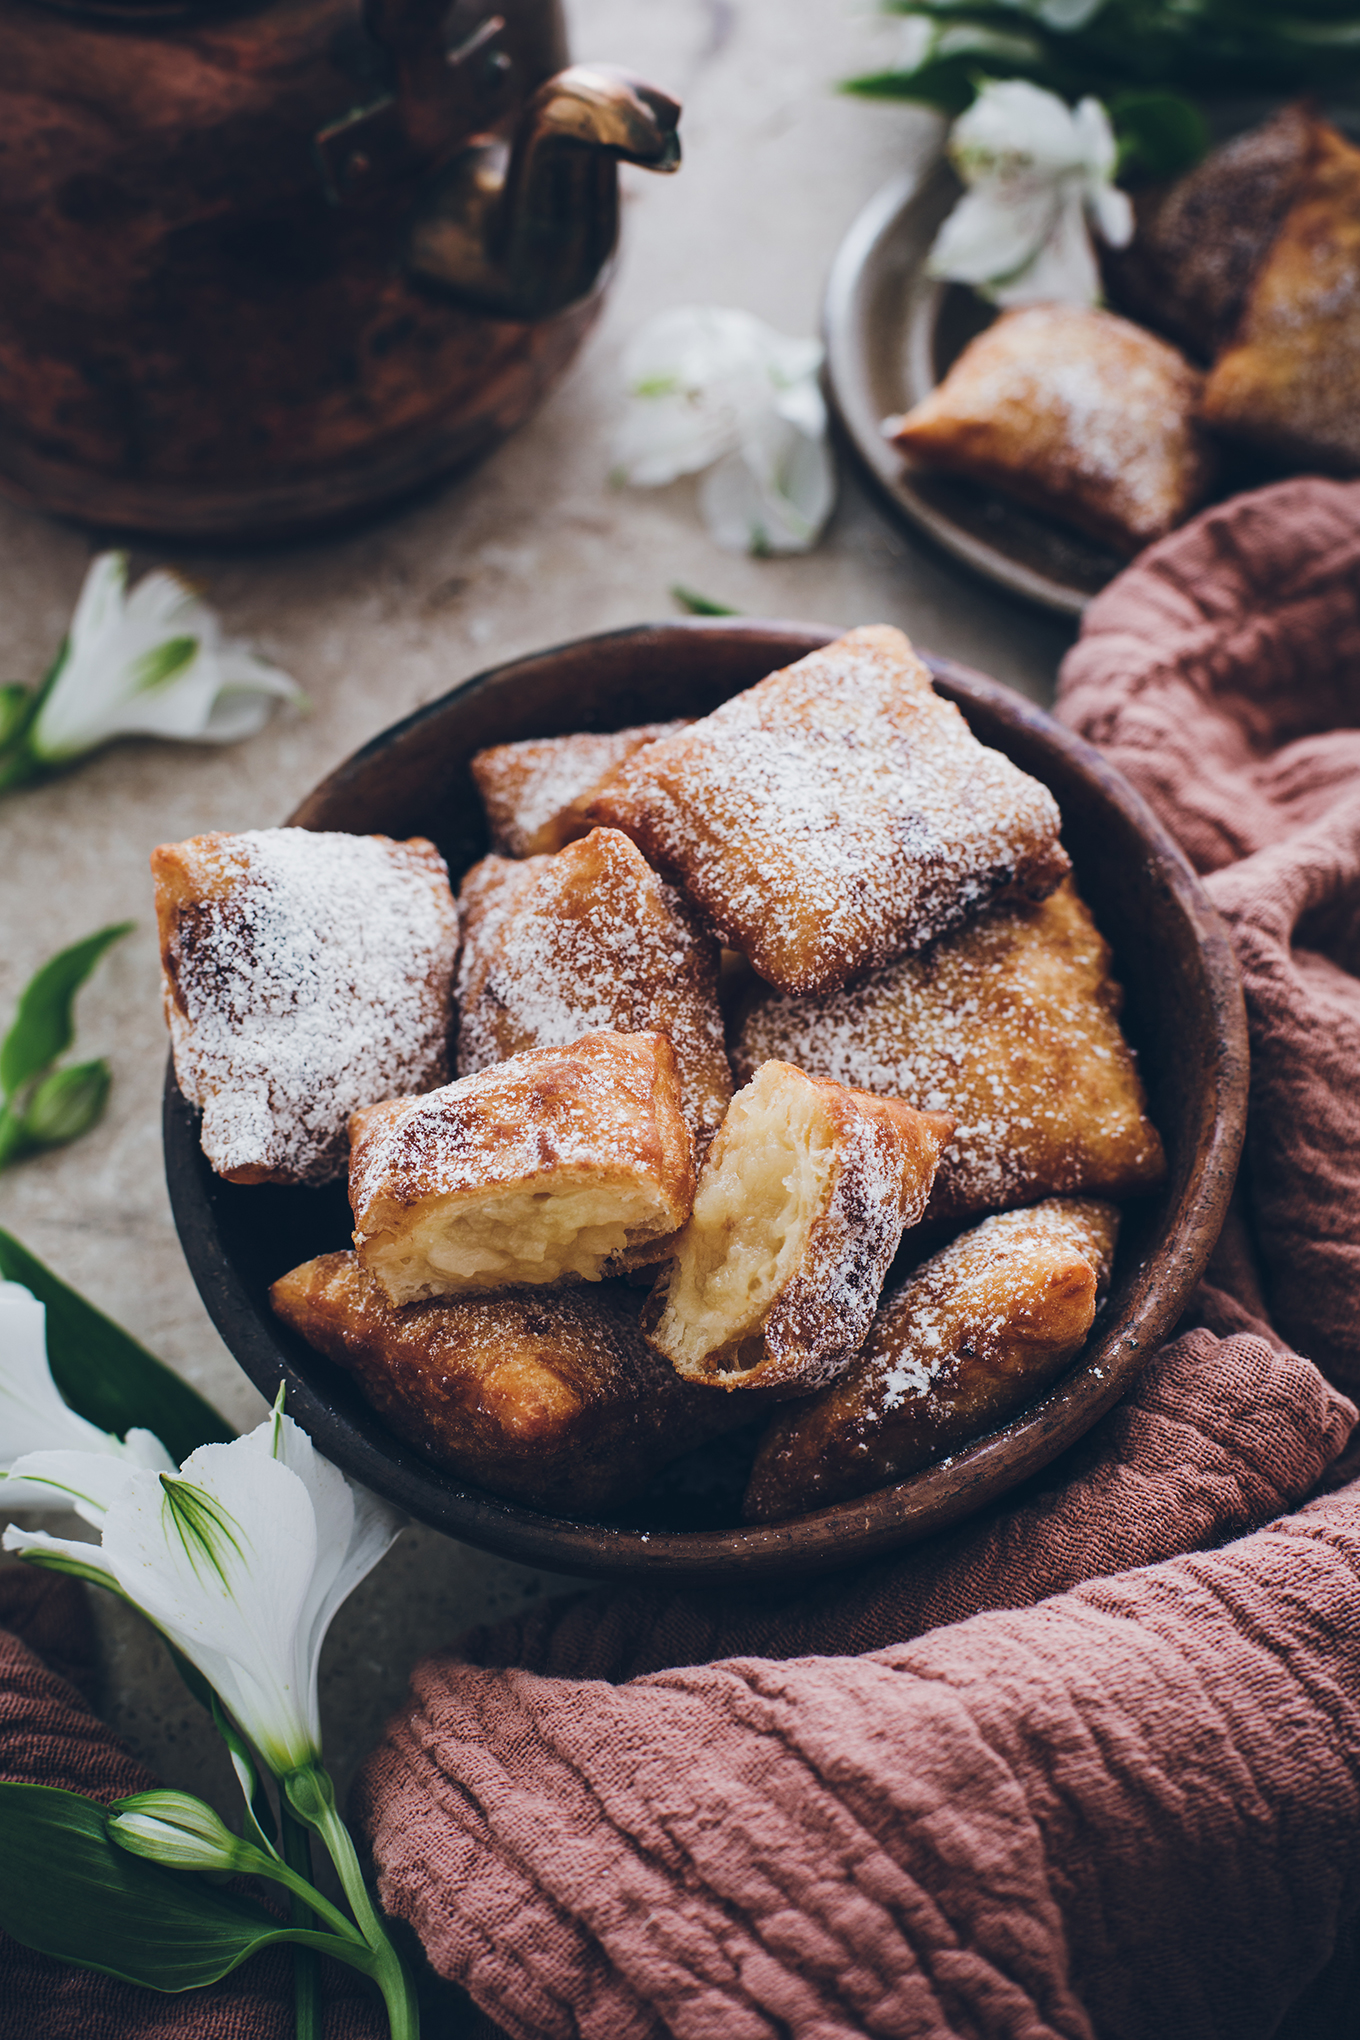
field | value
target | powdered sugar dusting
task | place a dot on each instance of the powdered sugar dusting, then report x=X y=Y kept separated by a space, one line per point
x=1079 y=405
x=528 y=788
x=591 y=1108
x=1012 y=1025
x=310 y=974
x=558 y=946
x=836 y=814
x=966 y=1294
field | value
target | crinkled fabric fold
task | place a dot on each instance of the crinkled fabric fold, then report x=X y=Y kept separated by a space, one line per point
x=1221 y=674
x=1089 y=1765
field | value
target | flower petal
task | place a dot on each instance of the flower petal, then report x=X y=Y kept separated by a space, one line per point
x=1064 y=270
x=33 y=1416
x=88 y=1482
x=222 y=1560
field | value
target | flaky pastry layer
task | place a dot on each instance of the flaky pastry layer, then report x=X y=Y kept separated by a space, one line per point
x=554 y=947
x=1078 y=412
x=800 y=1207
x=560 y=1162
x=980 y=1330
x=1012 y=1025
x=553 y=1398
x=306 y=975
x=535 y=792
x=837 y=814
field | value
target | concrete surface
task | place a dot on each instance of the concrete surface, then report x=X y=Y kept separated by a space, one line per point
x=533 y=548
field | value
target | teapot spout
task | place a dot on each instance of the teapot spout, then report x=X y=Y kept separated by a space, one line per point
x=521 y=230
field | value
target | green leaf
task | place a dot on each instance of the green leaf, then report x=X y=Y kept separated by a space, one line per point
x=103 y=1373
x=66 y=1890
x=699 y=605
x=42 y=1028
x=1158 y=132
x=67 y=1103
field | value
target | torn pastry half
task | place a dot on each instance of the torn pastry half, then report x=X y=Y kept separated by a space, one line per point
x=559 y=1163
x=1077 y=412
x=306 y=974
x=590 y=938
x=980 y=1330
x=535 y=792
x=550 y=1397
x=800 y=1207
x=1012 y=1025
x=836 y=815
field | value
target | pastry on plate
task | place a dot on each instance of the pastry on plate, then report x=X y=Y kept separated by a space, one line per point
x=1012 y=1025
x=552 y=1397
x=1290 y=380
x=560 y=1162
x=554 y=947
x=980 y=1330
x=836 y=815
x=1199 y=241
x=305 y=975
x=800 y=1208
x=535 y=792
x=1076 y=412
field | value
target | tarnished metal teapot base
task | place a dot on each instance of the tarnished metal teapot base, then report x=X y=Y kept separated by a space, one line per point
x=511 y=371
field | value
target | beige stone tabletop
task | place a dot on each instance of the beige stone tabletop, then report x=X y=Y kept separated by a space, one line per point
x=532 y=548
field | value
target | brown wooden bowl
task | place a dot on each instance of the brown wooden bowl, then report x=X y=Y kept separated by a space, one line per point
x=1184 y=1014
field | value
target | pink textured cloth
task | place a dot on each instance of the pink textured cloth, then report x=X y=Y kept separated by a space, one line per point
x=1083 y=1767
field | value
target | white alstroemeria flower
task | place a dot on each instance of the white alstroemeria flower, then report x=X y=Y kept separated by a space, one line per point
x=1040 y=174
x=241 y=1559
x=33 y=1417
x=717 y=389
x=153 y=663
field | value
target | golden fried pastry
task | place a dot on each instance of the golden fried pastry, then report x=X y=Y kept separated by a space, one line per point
x=305 y=975
x=535 y=793
x=560 y=1162
x=551 y=1397
x=836 y=815
x=1012 y=1025
x=801 y=1206
x=556 y=946
x=1290 y=380
x=980 y=1330
x=1200 y=241
x=1077 y=412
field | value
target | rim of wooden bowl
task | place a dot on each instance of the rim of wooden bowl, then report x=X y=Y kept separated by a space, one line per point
x=642 y=674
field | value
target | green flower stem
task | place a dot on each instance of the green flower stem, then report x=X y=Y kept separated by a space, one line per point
x=310 y=1793
x=13 y=1138
x=297 y=1856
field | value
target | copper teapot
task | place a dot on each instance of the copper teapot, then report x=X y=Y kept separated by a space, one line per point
x=265 y=265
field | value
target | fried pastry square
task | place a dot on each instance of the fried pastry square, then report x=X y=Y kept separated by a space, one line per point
x=551 y=1397
x=1078 y=412
x=560 y=1162
x=1200 y=240
x=554 y=947
x=980 y=1330
x=837 y=814
x=800 y=1207
x=535 y=792
x=1012 y=1025
x=305 y=975
x=1290 y=380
